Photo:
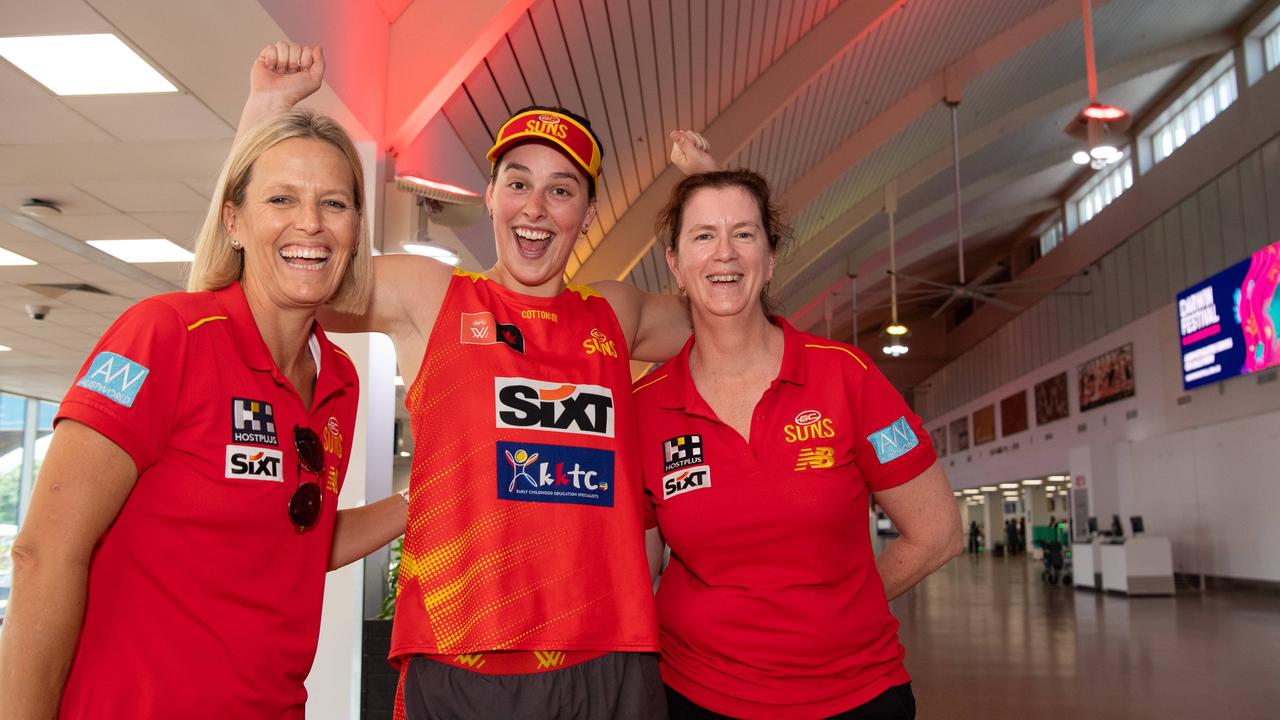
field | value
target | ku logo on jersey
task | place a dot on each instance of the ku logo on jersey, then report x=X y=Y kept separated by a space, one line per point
x=894 y=441
x=536 y=405
x=115 y=377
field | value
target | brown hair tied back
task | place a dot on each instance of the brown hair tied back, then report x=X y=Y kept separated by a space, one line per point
x=671 y=218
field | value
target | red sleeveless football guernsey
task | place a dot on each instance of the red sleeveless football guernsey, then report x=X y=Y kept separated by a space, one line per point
x=525 y=525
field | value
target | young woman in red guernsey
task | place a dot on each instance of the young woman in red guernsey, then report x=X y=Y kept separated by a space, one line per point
x=524 y=590
x=761 y=446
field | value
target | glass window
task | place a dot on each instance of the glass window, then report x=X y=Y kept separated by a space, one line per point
x=1051 y=236
x=21 y=450
x=1197 y=107
x=1271 y=49
x=1102 y=190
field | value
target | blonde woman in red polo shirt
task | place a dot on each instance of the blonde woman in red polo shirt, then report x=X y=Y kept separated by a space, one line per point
x=761 y=446
x=173 y=561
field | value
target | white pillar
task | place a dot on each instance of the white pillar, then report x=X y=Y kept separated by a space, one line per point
x=333 y=687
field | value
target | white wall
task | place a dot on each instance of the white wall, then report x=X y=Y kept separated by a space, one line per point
x=1205 y=473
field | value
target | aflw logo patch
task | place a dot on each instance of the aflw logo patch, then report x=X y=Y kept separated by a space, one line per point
x=253 y=463
x=114 y=377
x=482 y=329
x=537 y=405
x=683 y=481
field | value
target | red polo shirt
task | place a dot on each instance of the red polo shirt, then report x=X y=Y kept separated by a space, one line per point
x=772 y=605
x=203 y=601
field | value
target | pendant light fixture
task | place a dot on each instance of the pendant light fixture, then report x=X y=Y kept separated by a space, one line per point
x=895 y=333
x=1100 y=126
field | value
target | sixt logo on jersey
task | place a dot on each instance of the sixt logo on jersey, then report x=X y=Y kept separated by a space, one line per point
x=687 y=480
x=114 y=377
x=809 y=425
x=555 y=474
x=533 y=404
x=252 y=421
x=253 y=463
x=483 y=329
x=681 y=451
x=893 y=441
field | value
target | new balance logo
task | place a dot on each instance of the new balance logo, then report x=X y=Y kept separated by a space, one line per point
x=816 y=458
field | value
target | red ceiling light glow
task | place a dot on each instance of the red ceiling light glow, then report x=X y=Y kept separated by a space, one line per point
x=436 y=185
x=1106 y=113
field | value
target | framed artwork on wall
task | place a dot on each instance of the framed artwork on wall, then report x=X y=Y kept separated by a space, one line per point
x=960 y=434
x=1107 y=378
x=1051 y=400
x=939 y=436
x=984 y=425
x=1013 y=414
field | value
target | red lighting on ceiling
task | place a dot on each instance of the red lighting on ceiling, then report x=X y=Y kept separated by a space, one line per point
x=436 y=185
x=1103 y=112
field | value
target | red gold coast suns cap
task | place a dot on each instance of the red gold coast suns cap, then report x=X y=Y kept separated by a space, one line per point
x=550 y=126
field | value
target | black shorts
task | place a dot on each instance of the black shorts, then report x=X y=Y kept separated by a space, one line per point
x=617 y=686
x=896 y=703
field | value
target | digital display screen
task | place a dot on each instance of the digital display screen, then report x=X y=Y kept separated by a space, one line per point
x=1227 y=322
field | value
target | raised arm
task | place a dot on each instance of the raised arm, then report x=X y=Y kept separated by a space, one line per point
x=656 y=326
x=84 y=481
x=924 y=511
x=282 y=75
x=359 y=531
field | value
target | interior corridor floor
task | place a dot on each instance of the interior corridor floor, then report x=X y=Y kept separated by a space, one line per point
x=986 y=638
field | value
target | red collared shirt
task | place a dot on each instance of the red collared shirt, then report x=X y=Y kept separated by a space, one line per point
x=203 y=601
x=772 y=605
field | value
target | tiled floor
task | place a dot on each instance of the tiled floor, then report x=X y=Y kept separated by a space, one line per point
x=986 y=639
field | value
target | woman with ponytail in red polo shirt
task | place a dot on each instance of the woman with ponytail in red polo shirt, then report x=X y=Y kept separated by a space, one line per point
x=761 y=446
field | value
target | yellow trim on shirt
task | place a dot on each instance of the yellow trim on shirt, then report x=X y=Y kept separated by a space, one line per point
x=202 y=321
x=843 y=350
x=651 y=382
x=583 y=290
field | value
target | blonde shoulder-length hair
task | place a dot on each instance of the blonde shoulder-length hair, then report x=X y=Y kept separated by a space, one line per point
x=217 y=264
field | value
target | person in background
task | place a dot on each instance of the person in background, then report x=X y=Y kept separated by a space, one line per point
x=523 y=587
x=760 y=447
x=173 y=560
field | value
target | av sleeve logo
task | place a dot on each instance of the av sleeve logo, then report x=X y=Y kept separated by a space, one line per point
x=115 y=377
x=555 y=474
x=894 y=441
x=536 y=405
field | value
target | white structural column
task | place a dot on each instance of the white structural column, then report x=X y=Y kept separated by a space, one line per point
x=333 y=686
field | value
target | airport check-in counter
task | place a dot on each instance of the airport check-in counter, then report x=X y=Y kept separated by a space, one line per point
x=1086 y=564
x=1138 y=566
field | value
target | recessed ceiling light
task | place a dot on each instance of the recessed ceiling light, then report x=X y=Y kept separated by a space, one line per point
x=84 y=64
x=13 y=258
x=1008 y=486
x=988 y=488
x=971 y=491
x=5 y=348
x=1033 y=481
x=156 y=250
